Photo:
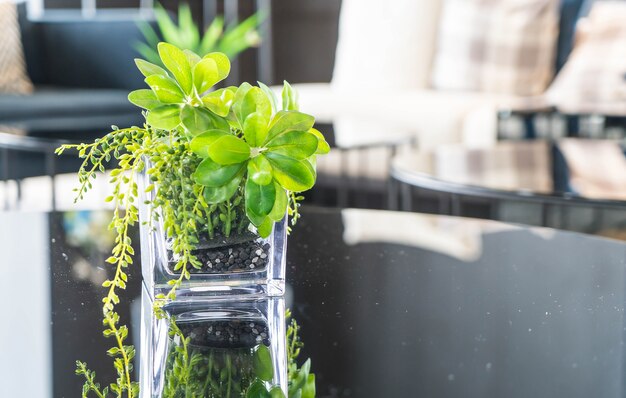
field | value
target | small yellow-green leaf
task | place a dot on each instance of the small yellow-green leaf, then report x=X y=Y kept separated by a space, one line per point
x=295 y=144
x=280 y=204
x=255 y=129
x=175 y=60
x=166 y=117
x=165 y=88
x=285 y=121
x=260 y=170
x=201 y=143
x=148 y=69
x=322 y=146
x=219 y=101
x=222 y=62
x=205 y=75
x=144 y=98
x=229 y=150
x=292 y=174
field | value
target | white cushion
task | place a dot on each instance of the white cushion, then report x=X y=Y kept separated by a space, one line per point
x=386 y=44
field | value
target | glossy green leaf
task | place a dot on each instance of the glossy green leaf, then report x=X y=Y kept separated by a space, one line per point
x=255 y=101
x=165 y=88
x=277 y=392
x=215 y=195
x=308 y=391
x=280 y=204
x=292 y=174
x=295 y=144
x=255 y=129
x=263 y=367
x=196 y=120
x=192 y=57
x=148 y=69
x=290 y=98
x=213 y=175
x=257 y=390
x=205 y=75
x=176 y=61
x=219 y=101
x=322 y=146
x=144 y=98
x=201 y=143
x=265 y=228
x=259 y=198
x=222 y=62
x=271 y=96
x=166 y=117
x=285 y=121
x=260 y=170
x=238 y=101
x=229 y=150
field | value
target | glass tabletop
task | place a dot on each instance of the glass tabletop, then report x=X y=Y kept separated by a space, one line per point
x=566 y=170
x=391 y=305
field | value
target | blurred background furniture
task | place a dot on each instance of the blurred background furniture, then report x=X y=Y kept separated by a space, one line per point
x=79 y=92
x=530 y=182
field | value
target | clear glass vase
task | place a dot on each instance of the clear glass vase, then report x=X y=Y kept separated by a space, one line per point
x=212 y=348
x=238 y=265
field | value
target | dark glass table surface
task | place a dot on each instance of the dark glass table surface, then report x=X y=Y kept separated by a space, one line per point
x=391 y=305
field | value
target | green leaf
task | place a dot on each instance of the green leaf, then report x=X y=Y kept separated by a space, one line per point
x=222 y=62
x=165 y=88
x=286 y=121
x=255 y=101
x=196 y=120
x=257 y=390
x=308 y=391
x=255 y=129
x=192 y=57
x=277 y=392
x=280 y=204
x=148 y=69
x=260 y=170
x=295 y=144
x=176 y=61
x=205 y=75
x=290 y=98
x=301 y=378
x=144 y=98
x=215 y=195
x=238 y=101
x=263 y=367
x=292 y=174
x=213 y=175
x=322 y=146
x=229 y=150
x=265 y=228
x=219 y=101
x=201 y=143
x=166 y=117
x=271 y=96
x=259 y=199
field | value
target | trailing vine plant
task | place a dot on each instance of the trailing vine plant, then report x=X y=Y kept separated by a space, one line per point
x=217 y=161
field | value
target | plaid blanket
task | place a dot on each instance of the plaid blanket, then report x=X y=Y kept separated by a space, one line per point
x=496 y=46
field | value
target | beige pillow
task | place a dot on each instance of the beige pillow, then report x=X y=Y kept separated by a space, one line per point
x=385 y=44
x=496 y=46
x=593 y=79
x=13 y=76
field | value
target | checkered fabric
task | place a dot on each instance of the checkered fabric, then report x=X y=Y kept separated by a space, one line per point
x=593 y=79
x=496 y=46
x=13 y=76
x=509 y=166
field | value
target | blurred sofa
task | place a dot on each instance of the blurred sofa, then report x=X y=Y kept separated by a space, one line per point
x=82 y=70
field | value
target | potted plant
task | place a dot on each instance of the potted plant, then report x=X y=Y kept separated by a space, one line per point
x=214 y=172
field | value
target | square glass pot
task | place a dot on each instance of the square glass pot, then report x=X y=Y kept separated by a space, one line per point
x=212 y=348
x=239 y=265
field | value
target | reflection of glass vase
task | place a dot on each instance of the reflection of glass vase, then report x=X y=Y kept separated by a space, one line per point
x=212 y=348
x=238 y=265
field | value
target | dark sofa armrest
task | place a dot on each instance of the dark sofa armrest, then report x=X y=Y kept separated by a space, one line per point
x=83 y=53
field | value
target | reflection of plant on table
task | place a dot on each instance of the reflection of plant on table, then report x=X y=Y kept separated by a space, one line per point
x=219 y=161
x=230 y=40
